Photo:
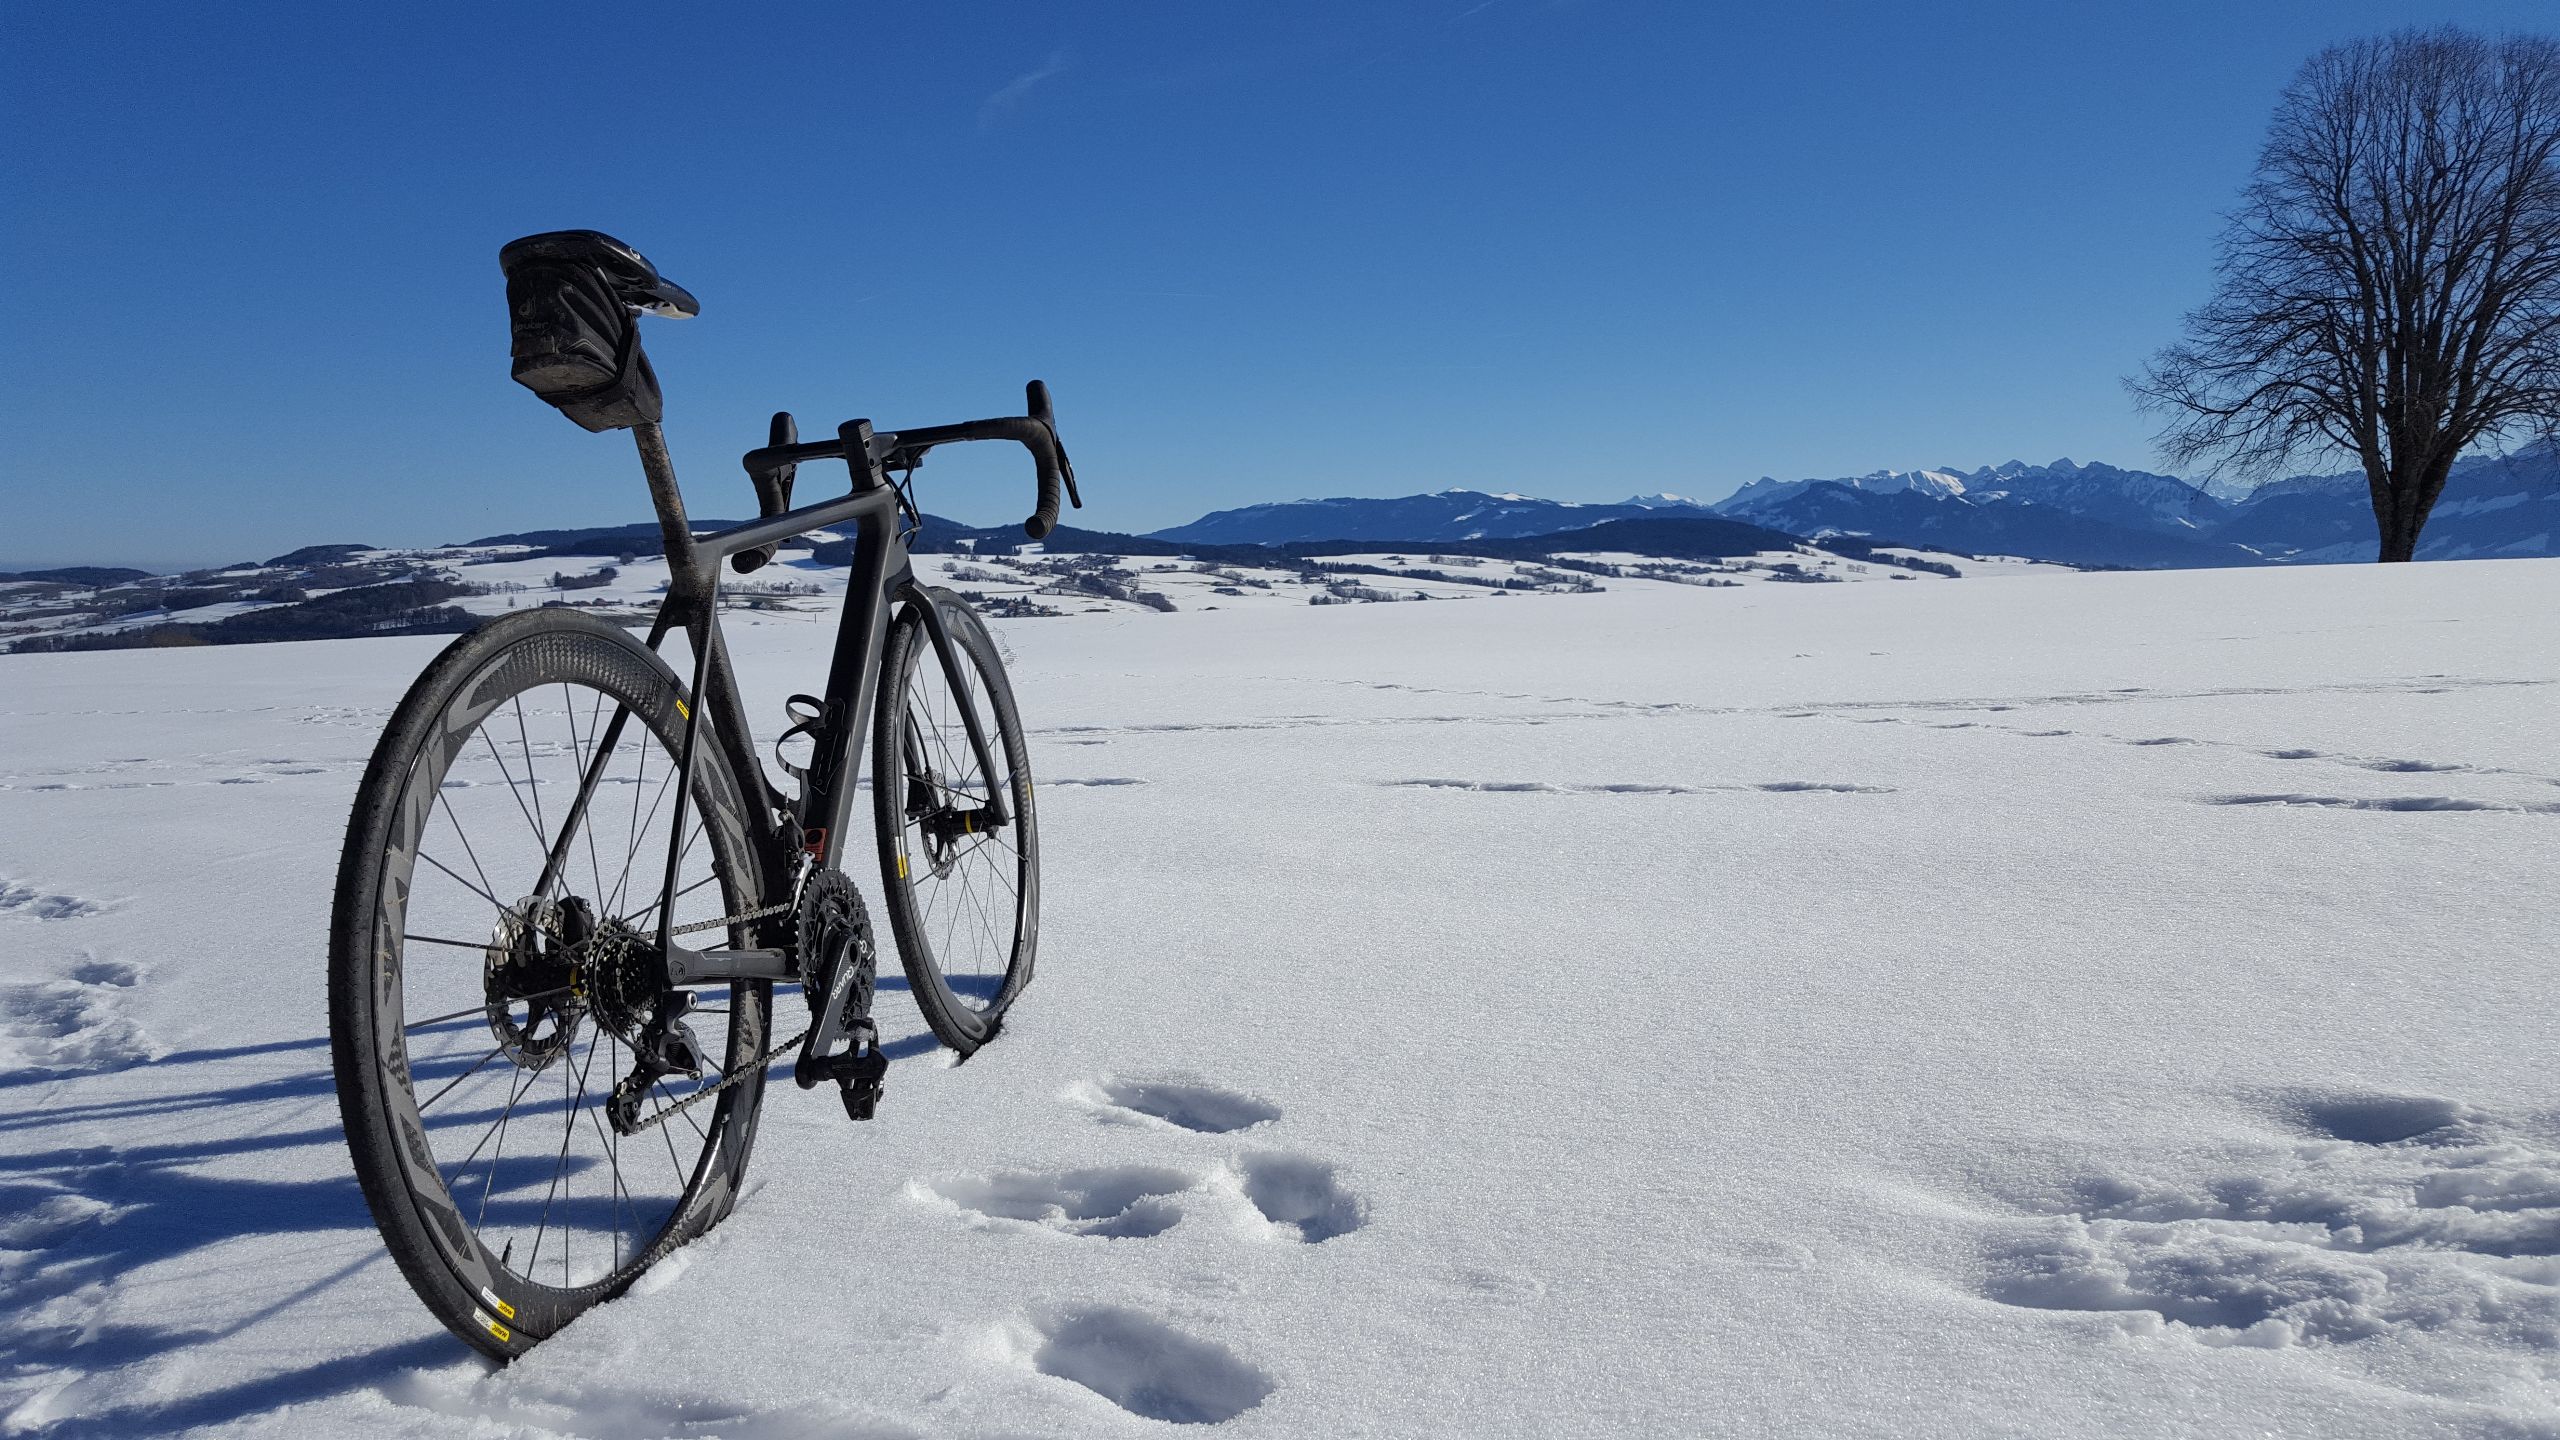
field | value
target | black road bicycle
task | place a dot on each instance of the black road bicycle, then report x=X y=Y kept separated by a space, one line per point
x=569 y=887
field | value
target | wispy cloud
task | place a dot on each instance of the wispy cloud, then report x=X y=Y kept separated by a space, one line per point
x=997 y=107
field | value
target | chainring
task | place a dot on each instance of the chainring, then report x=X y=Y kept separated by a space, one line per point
x=834 y=927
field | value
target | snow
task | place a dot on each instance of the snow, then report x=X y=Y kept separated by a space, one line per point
x=2083 y=1004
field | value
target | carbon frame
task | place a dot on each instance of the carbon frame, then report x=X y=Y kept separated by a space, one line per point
x=818 y=823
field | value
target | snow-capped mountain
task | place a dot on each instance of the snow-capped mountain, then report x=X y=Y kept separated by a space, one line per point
x=2493 y=506
x=2103 y=492
x=1988 y=523
x=2066 y=511
x=1769 y=493
x=1447 y=515
x=2096 y=514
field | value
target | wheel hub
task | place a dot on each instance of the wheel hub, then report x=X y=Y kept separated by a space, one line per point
x=530 y=978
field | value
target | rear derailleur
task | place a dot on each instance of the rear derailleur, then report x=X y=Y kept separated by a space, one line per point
x=662 y=1045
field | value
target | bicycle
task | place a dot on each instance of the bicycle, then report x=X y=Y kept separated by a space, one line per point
x=550 y=813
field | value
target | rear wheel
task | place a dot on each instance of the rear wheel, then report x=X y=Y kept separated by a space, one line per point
x=480 y=1019
x=963 y=894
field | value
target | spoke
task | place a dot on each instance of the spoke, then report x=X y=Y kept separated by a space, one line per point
x=689 y=889
x=465 y=884
x=472 y=855
x=510 y=777
x=669 y=1136
x=681 y=856
x=494 y=1052
x=479 y=1009
x=498 y=1128
x=989 y=962
x=639 y=833
x=569 y=705
x=541 y=827
x=481 y=945
x=613 y=1159
x=560 y=1169
x=642 y=745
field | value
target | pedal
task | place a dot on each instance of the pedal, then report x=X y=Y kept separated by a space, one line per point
x=861 y=1071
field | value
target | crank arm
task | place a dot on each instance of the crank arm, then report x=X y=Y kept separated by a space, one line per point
x=699 y=967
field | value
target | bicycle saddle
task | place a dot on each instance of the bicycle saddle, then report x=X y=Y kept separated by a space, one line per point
x=634 y=280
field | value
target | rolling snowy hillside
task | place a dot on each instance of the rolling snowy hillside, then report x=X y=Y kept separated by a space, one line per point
x=2051 y=1005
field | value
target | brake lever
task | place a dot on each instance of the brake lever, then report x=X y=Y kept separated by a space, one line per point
x=773 y=493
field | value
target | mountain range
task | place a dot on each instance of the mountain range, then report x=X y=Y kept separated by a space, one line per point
x=2079 y=514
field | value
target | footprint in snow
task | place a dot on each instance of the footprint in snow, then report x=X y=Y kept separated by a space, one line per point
x=2412 y=1219
x=1541 y=787
x=34 y=904
x=1147 y=1367
x=1112 y=1202
x=1182 y=1104
x=75 y=1023
x=1300 y=1196
x=1126 y=1356
x=2405 y=803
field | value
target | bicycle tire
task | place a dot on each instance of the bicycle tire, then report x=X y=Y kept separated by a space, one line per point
x=963 y=978
x=433 y=1210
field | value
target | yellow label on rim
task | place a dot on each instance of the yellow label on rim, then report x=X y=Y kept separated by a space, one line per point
x=501 y=1306
x=681 y=710
x=492 y=1326
x=902 y=867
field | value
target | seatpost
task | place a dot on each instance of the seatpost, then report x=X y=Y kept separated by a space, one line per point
x=675 y=531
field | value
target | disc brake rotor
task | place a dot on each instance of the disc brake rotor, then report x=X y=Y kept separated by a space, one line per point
x=530 y=981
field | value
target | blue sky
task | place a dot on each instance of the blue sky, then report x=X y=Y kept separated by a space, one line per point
x=1575 y=249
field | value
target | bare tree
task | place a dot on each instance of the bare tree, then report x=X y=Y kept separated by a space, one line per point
x=2390 y=285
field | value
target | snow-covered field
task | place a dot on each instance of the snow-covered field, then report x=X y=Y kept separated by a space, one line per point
x=2048 y=1005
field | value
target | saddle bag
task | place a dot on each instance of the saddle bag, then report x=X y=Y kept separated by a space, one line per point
x=577 y=345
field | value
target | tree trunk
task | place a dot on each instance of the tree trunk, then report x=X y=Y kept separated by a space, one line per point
x=2399 y=542
x=2403 y=497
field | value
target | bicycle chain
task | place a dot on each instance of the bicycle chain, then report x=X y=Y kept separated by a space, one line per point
x=740 y=918
x=549 y=924
x=657 y=1118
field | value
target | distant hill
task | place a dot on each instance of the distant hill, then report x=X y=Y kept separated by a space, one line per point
x=1447 y=515
x=79 y=575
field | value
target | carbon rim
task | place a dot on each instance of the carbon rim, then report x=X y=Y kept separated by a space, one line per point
x=970 y=897
x=502 y=1021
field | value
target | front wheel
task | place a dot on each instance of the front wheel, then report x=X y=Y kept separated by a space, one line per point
x=487 y=985
x=963 y=883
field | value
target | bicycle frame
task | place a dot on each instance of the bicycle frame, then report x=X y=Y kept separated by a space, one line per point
x=817 y=825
